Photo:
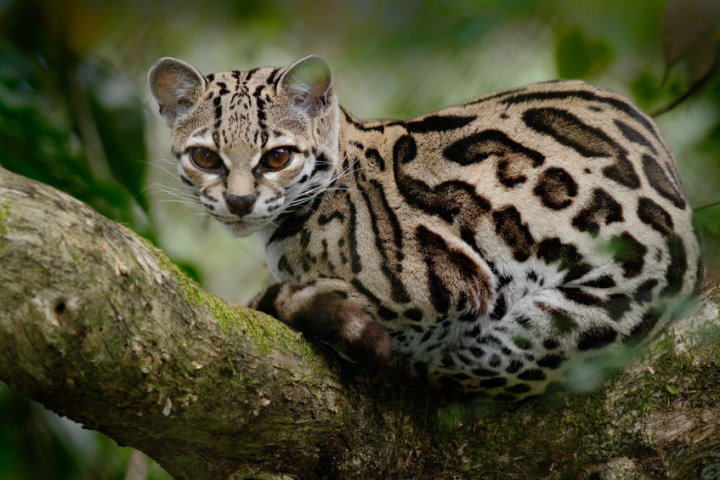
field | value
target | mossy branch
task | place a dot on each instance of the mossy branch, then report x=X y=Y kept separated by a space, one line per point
x=99 y=326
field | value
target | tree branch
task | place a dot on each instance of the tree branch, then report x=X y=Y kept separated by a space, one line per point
x=99 y=326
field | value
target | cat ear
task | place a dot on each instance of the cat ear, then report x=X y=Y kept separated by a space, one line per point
x=176 y=86
x=308 y=80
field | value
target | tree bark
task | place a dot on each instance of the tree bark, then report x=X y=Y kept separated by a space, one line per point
x=99 y=326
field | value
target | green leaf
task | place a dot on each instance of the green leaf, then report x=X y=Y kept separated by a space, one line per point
x=707 y=219
x=579 y=56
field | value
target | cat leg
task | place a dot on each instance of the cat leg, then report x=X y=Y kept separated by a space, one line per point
x=329 y=316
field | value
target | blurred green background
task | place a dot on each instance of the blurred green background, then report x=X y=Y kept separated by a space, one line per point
x=75 y=112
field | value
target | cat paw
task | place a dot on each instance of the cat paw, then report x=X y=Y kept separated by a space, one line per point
x=330 y=318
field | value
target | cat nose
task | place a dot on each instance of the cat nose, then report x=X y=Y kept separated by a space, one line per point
x=240 y=205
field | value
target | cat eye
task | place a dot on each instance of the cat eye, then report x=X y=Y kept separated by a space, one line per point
x=276 y=158
x=205 y=159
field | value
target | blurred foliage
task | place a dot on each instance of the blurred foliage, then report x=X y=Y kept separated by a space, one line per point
x=39 y=446
x=68 y=120
x=74 y=113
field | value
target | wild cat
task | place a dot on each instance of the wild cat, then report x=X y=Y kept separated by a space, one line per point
x=489 y=246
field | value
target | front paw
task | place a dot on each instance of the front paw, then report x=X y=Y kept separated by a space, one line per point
x=329 y=317
x=358 y=334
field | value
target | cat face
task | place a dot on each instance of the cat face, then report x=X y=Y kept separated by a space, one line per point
x=250 y=145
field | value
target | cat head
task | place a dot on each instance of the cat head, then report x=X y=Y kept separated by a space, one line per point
x=251 y=145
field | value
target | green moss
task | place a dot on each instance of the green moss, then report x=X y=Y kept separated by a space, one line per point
x=5 y=213
x=266 y=332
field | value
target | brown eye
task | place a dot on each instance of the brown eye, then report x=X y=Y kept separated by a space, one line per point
x=205 y=159
x=276 y=158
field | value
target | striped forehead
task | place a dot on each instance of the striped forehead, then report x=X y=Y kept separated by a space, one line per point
x=238 y=103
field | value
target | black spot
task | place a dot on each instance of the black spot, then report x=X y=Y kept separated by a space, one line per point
x=551 y=360
x=617 y=305
x=267 y=301
x=223 y=88
x=551 y=343
x=641 y=330
x=437 y=123
x=414 y=314
x=271 y=78
x=499 y=309
x=447 y=361
x=552 y=250
x=515 y=233
x=629 y=253
x=477 y=352
x=606 y=281
x=654 y=215
x=556 y=188
x=570 y=131
x=601 y=208
x=622 y=172
x=515 y=366
x=483 y=372
x=352 y=241
x=677 y=267
x=518 y=388
x=495 y=361
x=493 y=382
x=596 y=337
x=489 y=339
x=405 y=149
x=532 y=374
x=284 y=266
x=464 y=359
x=522 y=343
x=375 y=157
x=634 y=136
x=578 y=295
x=643 y=294
x=248 y=75
x=660 y=182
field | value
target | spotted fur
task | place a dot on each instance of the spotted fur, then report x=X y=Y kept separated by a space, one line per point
x=493 y=246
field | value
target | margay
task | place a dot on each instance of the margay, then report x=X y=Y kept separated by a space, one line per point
x=491 y=246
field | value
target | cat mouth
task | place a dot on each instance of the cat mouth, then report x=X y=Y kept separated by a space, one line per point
x=242 y=228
